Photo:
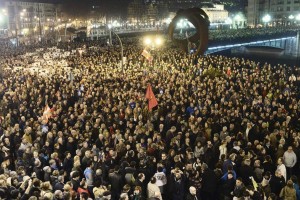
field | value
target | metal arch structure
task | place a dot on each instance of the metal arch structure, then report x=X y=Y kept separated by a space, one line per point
x=200 y=20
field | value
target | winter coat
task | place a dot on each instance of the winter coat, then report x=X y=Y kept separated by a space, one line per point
x=288 y=193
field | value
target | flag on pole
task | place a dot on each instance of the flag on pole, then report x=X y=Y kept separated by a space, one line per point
x=47 y=113
x=152 y=102
x=147 y=55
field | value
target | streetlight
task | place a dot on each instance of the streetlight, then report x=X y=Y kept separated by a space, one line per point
x=266 y=19
x=168 y=20
x=121 y=44
x=291 y=17
x=158 y=41
x=147 y=41
x=238 y=18
x=228 y=21
x=153 y=42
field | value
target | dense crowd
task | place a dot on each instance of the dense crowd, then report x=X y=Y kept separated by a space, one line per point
x=224 y=128
x=252 y=33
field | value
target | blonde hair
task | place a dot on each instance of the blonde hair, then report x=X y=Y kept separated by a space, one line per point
x=76 y=158
x=77 y=163
x=3 y=183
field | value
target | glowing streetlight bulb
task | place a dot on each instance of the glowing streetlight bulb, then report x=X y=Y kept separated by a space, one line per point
x=158 y=41
x=238 y=18
x=228 y=20
x=147 y=41
x=266 y=18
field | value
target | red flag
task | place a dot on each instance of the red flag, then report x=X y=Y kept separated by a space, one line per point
x=147 y=55
x=228 y=71
x=152 y=102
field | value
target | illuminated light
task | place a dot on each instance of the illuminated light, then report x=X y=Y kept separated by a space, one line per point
x=180 y=24
x=267 y=18
x=158 y=41
x=298 y=17
x=238 y=18
x=228 y=20
x=147 y=41
x=291 y=17
x=168 y=20
x=25 y=31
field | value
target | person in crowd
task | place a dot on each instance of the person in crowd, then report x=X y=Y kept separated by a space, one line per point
x=290 y=160
x=277 y=182
x=296 y=186
x=288 y=191
x=282 y=168
x=192 y=195
x=209 y=183
x=153 y=190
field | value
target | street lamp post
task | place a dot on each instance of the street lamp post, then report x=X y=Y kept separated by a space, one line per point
x=121 y=44
x=110 y=38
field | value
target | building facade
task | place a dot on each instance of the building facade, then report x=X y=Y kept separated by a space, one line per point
x=31 y=19
x=141 y=13
x=216 y=14
x=282 y=12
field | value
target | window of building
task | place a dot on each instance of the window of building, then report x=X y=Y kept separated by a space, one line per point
x=280 y=2
x=288 y=8
x=279 y=8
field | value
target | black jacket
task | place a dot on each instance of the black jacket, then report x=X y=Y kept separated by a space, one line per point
x=176 y=187
x=209 y=181
x=191 y=197
x=245 y=172
x=116 y=181
x=276 y=184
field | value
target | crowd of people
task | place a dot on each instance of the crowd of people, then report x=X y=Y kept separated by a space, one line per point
x=224 y=128
x=251 y=34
